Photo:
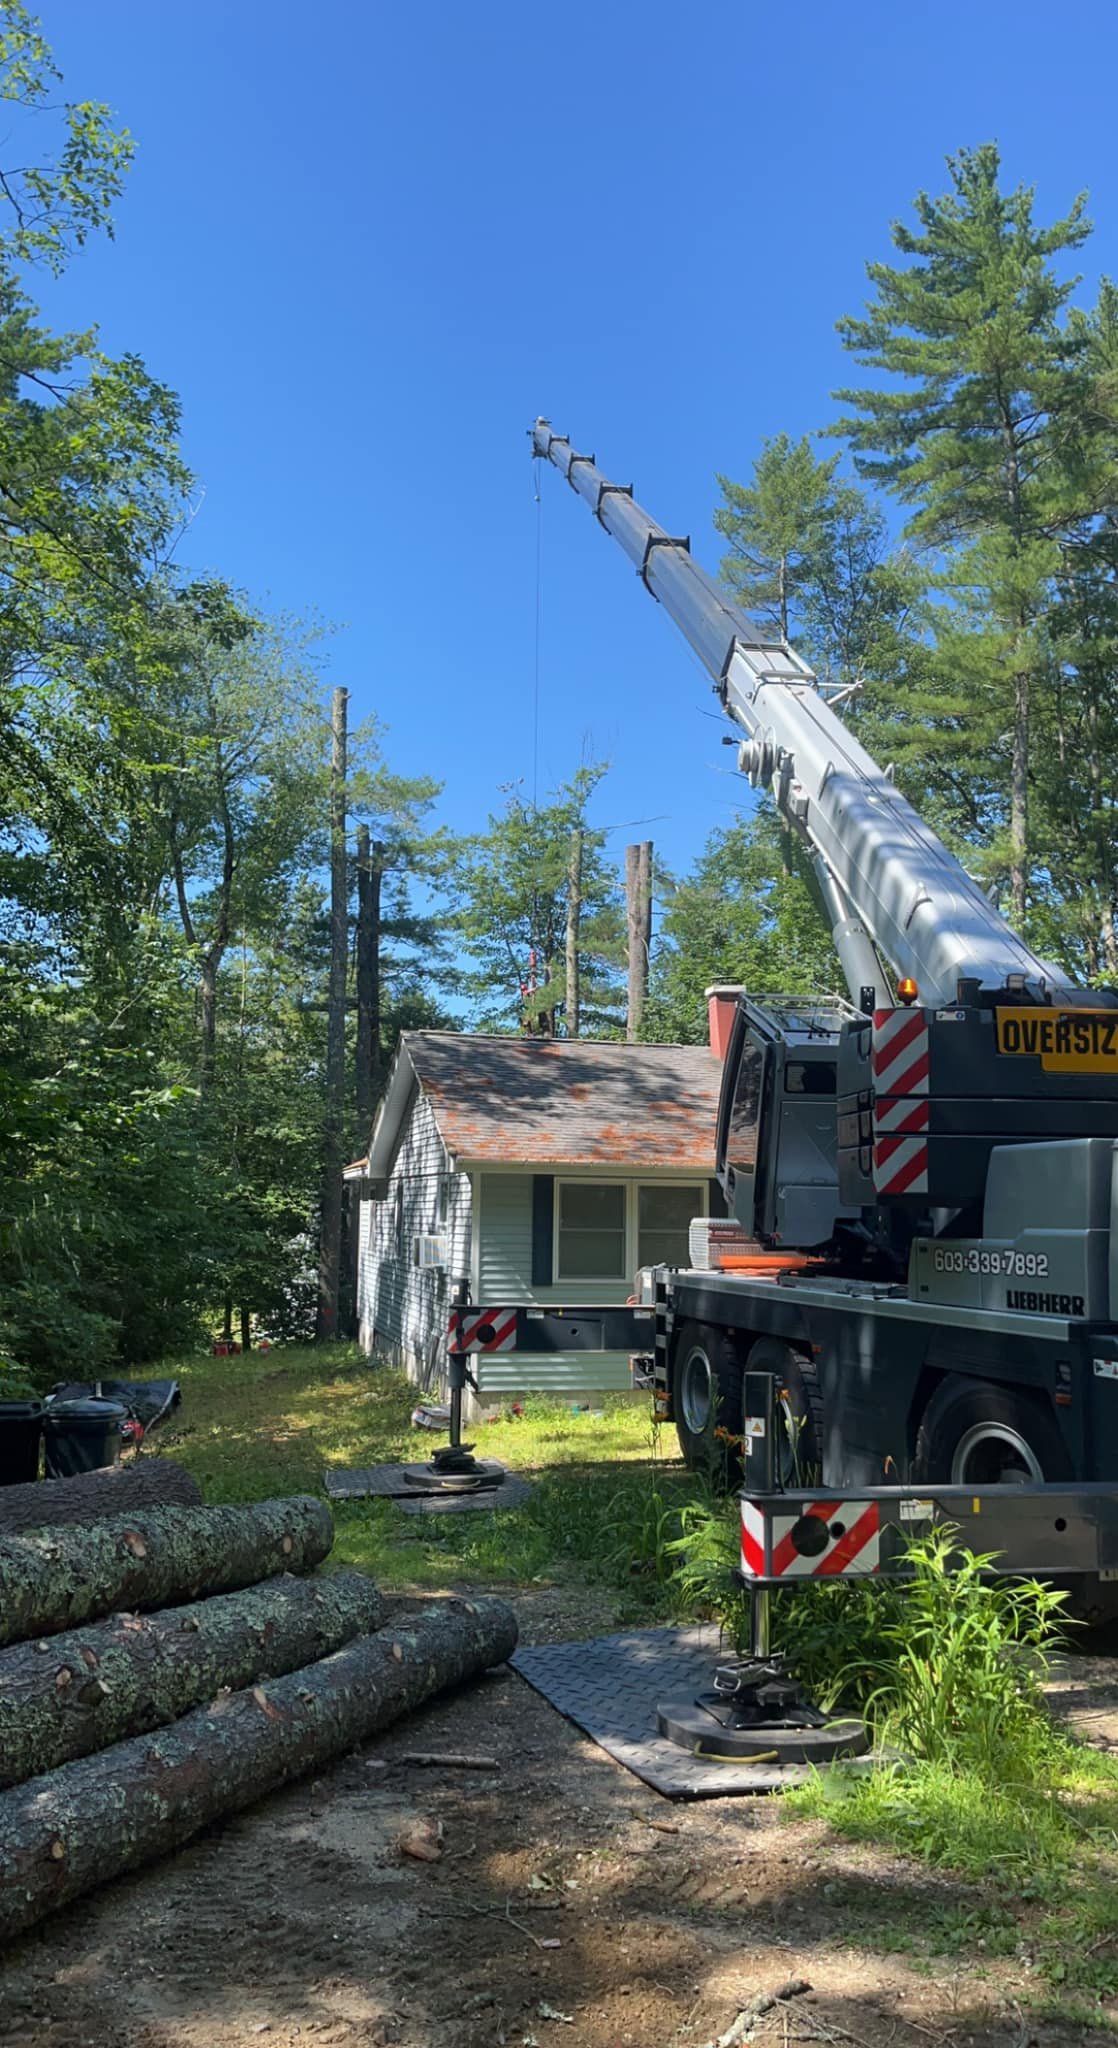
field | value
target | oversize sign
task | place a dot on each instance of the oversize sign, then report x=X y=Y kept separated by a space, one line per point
x=1064 y=1041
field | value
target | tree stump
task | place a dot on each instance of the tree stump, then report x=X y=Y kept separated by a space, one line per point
x=51 y=1579
x=68 y=1695
x=95 y=1819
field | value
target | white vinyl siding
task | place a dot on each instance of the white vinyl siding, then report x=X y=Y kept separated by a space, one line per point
x=402 y=1308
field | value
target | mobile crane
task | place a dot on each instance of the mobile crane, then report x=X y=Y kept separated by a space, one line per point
x=937 y=1155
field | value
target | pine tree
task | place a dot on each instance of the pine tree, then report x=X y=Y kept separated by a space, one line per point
x=971 y=432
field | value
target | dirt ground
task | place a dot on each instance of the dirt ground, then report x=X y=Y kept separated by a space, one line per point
x=569 y=1905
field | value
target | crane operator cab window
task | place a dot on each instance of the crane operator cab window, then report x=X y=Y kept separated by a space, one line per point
x=745 y=1108
x=780 y=1135
x=811 y=1077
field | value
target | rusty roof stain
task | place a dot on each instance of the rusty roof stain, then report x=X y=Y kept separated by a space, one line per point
x=568 y=1102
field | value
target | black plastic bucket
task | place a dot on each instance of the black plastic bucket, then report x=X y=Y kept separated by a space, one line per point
x=21 y=1426
x=82 y=1436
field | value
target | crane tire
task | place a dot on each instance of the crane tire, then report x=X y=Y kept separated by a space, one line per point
x=970 y=1428
x=975 y=1433
x=800 y=1410
x=707 y=1370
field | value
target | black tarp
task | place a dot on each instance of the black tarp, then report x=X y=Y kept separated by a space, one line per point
x=147 y=1401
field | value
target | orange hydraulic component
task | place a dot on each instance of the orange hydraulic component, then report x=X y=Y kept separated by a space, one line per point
x=765 y=1262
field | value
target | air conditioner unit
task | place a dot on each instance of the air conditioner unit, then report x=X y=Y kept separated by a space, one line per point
x=429 y=1251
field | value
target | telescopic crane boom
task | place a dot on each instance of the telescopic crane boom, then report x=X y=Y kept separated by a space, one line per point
x=893 y=891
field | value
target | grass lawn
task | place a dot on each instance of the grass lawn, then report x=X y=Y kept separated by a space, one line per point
x=606 y=1499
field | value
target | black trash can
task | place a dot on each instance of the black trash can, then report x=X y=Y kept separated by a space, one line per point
x=21 y=1426
x=82 y=1436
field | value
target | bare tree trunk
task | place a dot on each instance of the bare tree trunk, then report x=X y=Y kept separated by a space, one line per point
x=638 y=915
x=53 y=1579
x=92 y=1686
x=645 y=865
x=246 y=1329
x=103 y=1815
x=370 y=857
x=330 y=1239
x=1019 y=804
x=207 y=997
x=574 y=916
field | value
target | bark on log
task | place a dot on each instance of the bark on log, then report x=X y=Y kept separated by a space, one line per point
x=91 y=1496
x=51 y=1579
x=79 y=1692
x=64 y=1833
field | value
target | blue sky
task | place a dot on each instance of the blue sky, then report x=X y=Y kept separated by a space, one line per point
x=369 y=244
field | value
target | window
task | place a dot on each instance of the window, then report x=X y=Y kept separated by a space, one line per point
x=591 y=1231
x=663 y=1217
x=398 y=1219
x=810 y=1077
x=604 y=1230
x=745 y=1111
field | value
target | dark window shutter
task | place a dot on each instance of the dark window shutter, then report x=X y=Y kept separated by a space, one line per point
x=543 y=1219
x=716 y=1205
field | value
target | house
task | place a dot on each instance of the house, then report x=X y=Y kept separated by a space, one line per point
x=543 y=1171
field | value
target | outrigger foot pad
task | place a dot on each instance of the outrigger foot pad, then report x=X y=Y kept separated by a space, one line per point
x=455 y=1471
x=705 y=1727
x=756 y=1711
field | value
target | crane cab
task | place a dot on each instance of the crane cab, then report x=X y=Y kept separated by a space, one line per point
x=777 y=1143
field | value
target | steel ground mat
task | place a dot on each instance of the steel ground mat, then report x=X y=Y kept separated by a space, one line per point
x=391 y=1482
x=611 y=1687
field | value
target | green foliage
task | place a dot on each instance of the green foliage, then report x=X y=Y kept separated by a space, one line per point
x=511 y=887
x=163 y=775
x=747 y=913
x=962 y=1656
x=49 y=208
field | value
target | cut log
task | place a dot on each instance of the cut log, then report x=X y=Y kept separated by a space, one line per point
x=68 y=1695
x=51 y=1579
x=76 y=1827
x=91 y=1496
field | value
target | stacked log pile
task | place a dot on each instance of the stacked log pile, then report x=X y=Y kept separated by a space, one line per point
x=163 y=1668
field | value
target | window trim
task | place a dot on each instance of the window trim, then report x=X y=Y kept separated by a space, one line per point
x=632 y=1187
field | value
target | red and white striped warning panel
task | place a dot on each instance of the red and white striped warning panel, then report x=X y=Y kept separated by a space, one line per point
x=830 y=1539
x=481 y=1329
x=900 y=1112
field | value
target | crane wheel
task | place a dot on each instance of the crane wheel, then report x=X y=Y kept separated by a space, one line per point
x=975 y=1434
x=707 y=1369
x=800 y=1403
x=708 y=1401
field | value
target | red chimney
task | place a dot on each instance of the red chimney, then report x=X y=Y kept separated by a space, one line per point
x=722 y=1005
